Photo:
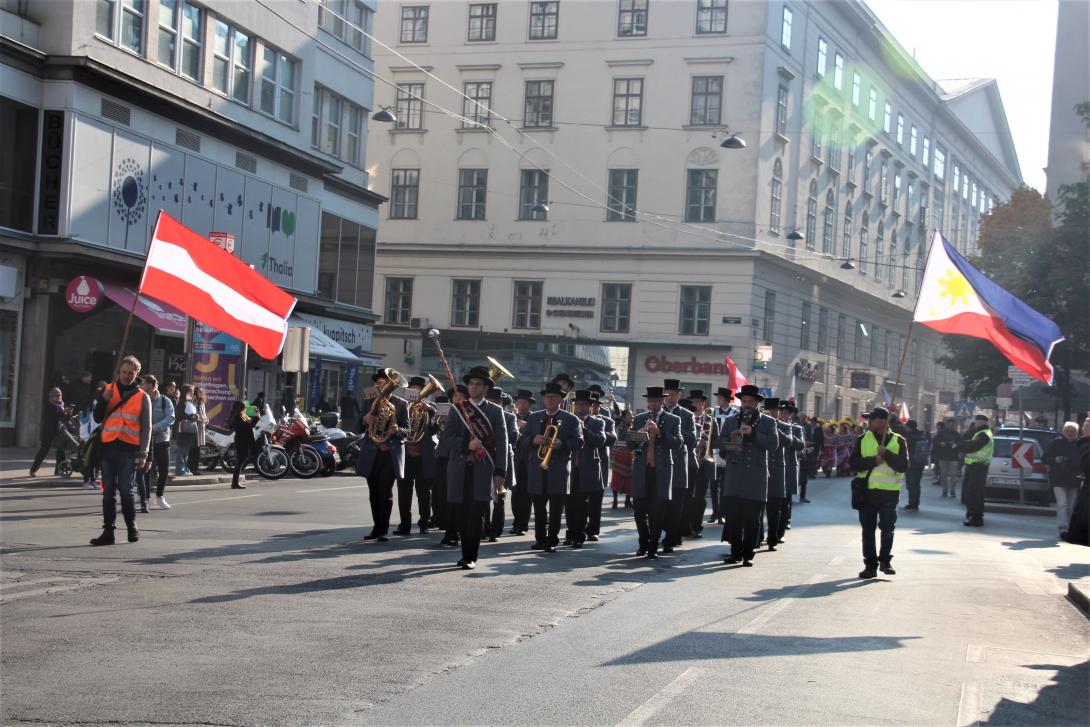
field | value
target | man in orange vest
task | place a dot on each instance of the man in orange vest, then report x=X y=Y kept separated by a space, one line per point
x=125 y=412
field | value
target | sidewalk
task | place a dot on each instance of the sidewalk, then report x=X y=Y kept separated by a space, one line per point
x=15 y=472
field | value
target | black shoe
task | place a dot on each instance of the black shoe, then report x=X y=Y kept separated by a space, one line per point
x=134 y=533
x=520 y=532
x=641 y=552
x=567 y=541
x=868 y=572
x=107 y=537
x=732 y=560
x=887 y=569
x=424 y=530
x=787 y=526
x=615 y=506
x=652 y=555
x=493 y=539
x=909 y=508
x=538 y=546
x=577 y=545
x=747 y=563
x=238 y=487
x=805 y=499
x=382 y=539
x=978 y=523
x=371 y=536
x=404 y=530
x=550 y=548
x=667 y=550
x=592 y=538
x=461 y=564
x=968 y=522
x=713 y=519
x=144 y=509
x=469 y=565
x=771 y=548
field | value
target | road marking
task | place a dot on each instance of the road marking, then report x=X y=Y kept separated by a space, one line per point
x=766 y=615
x=970 y=704
x=218 y=499
x=327 y=489
x=641 y=714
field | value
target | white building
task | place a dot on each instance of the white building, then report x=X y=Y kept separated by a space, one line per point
x=610 y=114
x=235 y=117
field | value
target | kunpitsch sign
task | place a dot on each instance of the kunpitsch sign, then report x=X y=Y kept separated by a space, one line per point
x=83 y=294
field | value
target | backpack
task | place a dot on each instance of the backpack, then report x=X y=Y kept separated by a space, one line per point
x=921 y=451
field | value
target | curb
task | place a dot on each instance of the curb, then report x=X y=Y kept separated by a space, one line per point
x=1017 y=509
x=55 y=483
x=1079 y=596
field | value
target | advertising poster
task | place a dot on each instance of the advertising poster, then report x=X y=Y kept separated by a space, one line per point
x=217 y=368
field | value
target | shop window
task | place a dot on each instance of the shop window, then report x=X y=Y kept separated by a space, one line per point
x=18 y=149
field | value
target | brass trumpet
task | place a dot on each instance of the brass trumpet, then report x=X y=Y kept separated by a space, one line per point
x=545 y=451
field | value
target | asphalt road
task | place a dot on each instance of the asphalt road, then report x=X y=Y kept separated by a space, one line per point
x=262 y=607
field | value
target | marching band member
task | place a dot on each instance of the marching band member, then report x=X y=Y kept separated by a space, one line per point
x=494 y=521
x=550 y=485
x=796 y=461
x=586 y=486
x=705 y=472
x=723 y=397
x=748 y=437
x=419 y=471
x=684 y=460
x=446 y=513
x=652 y=471
x=382 y=463
x=478 y=461
x=787 y=448
x=520 y=495
x=605 y=454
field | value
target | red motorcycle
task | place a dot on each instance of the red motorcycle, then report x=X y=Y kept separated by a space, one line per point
x=307 y=453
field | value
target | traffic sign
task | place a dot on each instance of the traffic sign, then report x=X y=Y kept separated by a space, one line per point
x=1018 y=377
x=963 y=409
x=1022 y=455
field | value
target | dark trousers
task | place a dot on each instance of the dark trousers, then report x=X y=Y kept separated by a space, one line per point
x=804 y=477
x=495 y=514
x=674 y=515
x=881 y=514
x=520 y=505
x=242 y=454
x=743 y=525
x=548 y=510
x=716 y=496
x=160 y=457
x=118 y=470
x=440 y=510
x=414 y=481
x=594 y=512
x=972 y=490
x=697 y=502
x=471 y=522
x=649 y=511
x=576 y=508
x=777 y=512
x=43 y=450
x=912 y=482
x=380 y=487
x=194 y=460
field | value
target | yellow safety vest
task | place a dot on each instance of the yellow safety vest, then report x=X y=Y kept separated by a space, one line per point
x=984 y=454
x=882 y=477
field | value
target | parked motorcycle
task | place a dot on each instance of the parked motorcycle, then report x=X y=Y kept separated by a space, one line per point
x=347 y=444
x=214 y=452
x=270 y=458
x=308 y=454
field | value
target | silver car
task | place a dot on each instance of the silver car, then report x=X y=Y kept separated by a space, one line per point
x=1003 y=479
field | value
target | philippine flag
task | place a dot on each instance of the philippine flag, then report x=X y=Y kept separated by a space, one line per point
x=957 y=298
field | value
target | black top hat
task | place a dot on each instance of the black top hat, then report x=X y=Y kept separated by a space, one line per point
x=552 y=388
x=697 y=394
x=789 y=407
x=417 y=381
x=771 y=403
x=725 y=393
x=525 y=394
x=750 y=390
x=654 y=392
x=481 y=373
x=563 y=377
x=596 y=389
x=686 y=403
x=595 y=397
x=494 y=394
x=879 y=412
x=584 y=395
x=786 y=404
x=378 y=375
x=671 y=384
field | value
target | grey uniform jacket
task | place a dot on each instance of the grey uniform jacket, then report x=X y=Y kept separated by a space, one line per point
x=457 y=445
x=684 y=458
x=369 y=450
x=794 y=458
x=524 y=450
x=778 y=461
x=746 y=474
x=557 y=480
x=668 y=448
x=588 y=463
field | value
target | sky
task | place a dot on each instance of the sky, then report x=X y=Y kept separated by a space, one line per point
x=1012 y=41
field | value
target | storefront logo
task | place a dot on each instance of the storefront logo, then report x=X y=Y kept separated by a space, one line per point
x=83 y=294
x=280 y=267
x=661 y=364
x=130 y=194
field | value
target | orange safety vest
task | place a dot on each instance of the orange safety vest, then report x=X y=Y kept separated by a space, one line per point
x=123 y=423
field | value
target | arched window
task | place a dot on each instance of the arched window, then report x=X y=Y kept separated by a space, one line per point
x=777 y=197
x=828 y=226
x=879 y=241
x=811 y=216
x=847 y=251
x=863 y=233
x=891 y=271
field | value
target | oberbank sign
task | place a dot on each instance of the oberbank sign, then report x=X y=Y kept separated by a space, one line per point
x=356 y=337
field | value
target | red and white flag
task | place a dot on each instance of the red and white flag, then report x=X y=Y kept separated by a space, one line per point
x=735 y=380
x=216 y=288
x=791 y=395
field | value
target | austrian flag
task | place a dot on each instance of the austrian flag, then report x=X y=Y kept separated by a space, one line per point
x=214 y=287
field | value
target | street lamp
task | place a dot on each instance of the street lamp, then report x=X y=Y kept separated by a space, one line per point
x=384 y=116
x=795 y=236
x=541 y=208
x=899 y=293
x=732 y=142
x=847 y=264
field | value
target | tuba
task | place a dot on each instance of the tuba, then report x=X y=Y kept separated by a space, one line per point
x=420 y=414
x=496 y=370
x=384 y=412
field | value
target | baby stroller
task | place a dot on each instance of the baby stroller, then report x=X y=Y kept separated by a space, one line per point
x=68 y=439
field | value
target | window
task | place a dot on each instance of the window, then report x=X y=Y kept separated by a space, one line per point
x=868 y=162
x=912 y=135
x=781 y=111
x=695 y=310
x=828 y=224
x=879 y=240
x=815 y=138
x=777 y=197
x=940 y=208
x=874 y=359
x=838 y=72
x=804 y=327
x=409 y=106
x=527 y=304
x=19 y=151
x=482 y=22
x=399 y=301
x=632 y=18
x=925 y=202
x=857 y=84
x=125 y=27
x=896 y=190
x=277 y=95
x=887 y=117
x=539 y=105
x=770 y=316
x=823 y=330
x=841 y=335
x=348 y=20
x=883 y=184
x=890 y=269
x=811 y=216
x=177 y=17
x=346 y=261
x=616 y=306
x=700 y=192
x=908 y=201
x=904 y=268
x=543 y=19
x=627 y=100
x=857 y=341
x=232 y=62
x=822 y=57
x=465 y=302
x=533 y=194
x=901 y=129
x=707 y=101
x=940 y=162
x=851 y=161
x=414 y=24
x=404 y=193
x=711 y=16
x=477 y=104
x=337 y=126
x=622 y=195
x=926 y=156
x=785 y=28
x=472 y=187
x=872 y=106
x=832 y=154
x=863 y=233
x=846 y=248
x=957 y=178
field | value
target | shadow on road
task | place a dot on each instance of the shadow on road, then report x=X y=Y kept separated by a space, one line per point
x=1071 y=571
x=1065 y=701
x=698 y=645
x=814 y=590
x=1031 y=544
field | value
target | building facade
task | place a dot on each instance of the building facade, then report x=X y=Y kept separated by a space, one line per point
x=245 y=120
x=561 y=172
x=1069 y=135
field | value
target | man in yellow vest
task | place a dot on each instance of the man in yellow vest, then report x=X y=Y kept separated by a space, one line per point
x=125 y=412
x=978 y=447
x=881 y=456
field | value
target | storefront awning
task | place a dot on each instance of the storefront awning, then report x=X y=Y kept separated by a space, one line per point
x=166 y=318
x=322 y=346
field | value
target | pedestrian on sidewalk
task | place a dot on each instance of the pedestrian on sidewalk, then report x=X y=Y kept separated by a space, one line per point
x=125 y=412
x=919 y=449
x=880 y=456
x=1062 y=458
x=978 y=445
x=946 y=448
x=162 y=418
x=185 y=416
x=54 y=417
x=242 y=425
x=1078 y=531
x=200 y=401
x=87 y=427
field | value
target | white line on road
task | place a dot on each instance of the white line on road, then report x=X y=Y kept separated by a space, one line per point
x=970 y=704
x=218 y=499
x=327 y=489
x=641 y=714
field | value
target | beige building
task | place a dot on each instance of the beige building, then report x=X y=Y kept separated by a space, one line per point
x=580 y=193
